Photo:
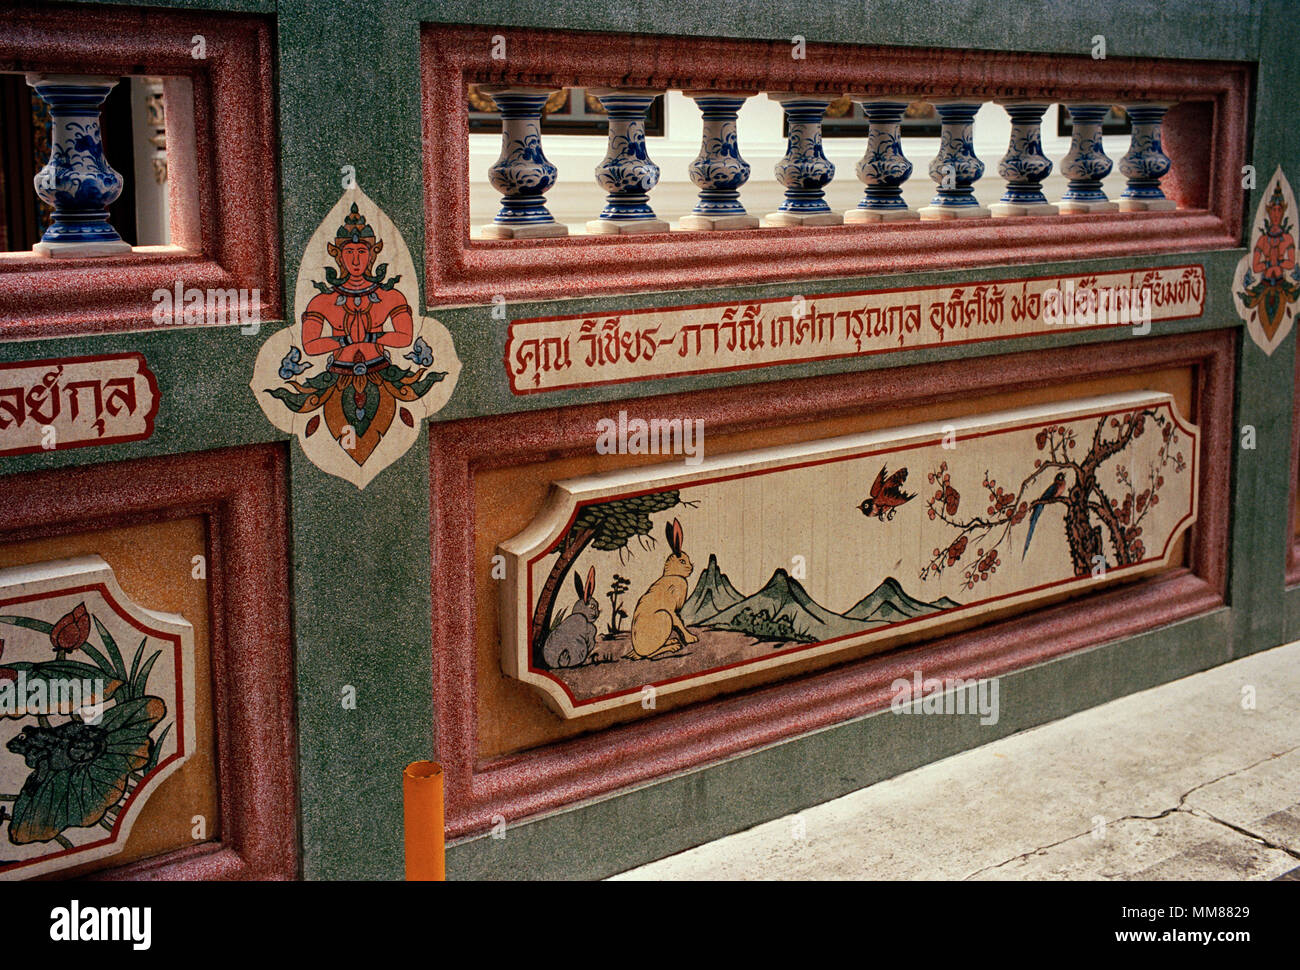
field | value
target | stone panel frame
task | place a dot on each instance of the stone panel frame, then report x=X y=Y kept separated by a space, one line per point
x=543 y=779
x=242 y=495
x=231 y=161
x=1205 y=135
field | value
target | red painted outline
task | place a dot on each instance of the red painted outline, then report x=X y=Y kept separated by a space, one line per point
x=794 y=361
x=790 y=651
x=178 y=719
x=142 y=370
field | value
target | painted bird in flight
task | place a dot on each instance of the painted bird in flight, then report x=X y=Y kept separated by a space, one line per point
x=886 y=495
x=1053 y=491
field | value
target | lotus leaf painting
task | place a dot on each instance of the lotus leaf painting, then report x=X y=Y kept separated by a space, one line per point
x=96 y=710
x=360 y=370
x=674 y=576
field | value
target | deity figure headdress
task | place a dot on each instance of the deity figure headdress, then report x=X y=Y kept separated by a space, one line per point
x=1276 y=205
x=355 y=229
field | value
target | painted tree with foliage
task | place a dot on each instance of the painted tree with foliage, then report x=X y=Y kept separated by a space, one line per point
x=1091 y=514
x=607 y=526
x=618 y=588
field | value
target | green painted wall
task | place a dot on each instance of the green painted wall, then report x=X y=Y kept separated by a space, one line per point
x=362 y=610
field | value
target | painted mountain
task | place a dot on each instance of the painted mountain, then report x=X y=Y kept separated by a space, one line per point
x=890 y=603
x=786 y=597
x=713 y=594
x=783 y=610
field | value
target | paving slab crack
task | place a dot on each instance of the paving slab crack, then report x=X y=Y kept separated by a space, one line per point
x=1267 y=843
x=1180 y=807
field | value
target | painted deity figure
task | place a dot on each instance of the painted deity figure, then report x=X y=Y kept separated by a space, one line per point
x=1274 y=281
x=353 y=322
x=1275 y=251
x=356 y=305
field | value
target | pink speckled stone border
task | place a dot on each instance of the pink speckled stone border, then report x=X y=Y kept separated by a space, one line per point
x=233 y=155
x=568 y=771
x=1293 y=543
x=242 y=492
x=1205 y=135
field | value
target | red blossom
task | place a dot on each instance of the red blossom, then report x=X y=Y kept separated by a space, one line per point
x=72 y=631
x=951 y=499
x=956 y=549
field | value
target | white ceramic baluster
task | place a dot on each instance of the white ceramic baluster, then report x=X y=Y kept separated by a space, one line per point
x=1145 y=164
x=955 y=169
x=522 y=174
x=719 y=171
x=77 y=180
x=883 y=168
x=804 y=171
x=1024 y=166
x=626 y=171
x=1086 y=164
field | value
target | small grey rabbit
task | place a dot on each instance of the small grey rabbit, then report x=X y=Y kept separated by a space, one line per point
x=574 y=638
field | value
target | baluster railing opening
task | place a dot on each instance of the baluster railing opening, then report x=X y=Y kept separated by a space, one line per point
x=687 y=161
x=725 y=156
x=96 y=165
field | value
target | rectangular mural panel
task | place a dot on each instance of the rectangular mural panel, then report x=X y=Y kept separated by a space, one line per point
x=670 y=576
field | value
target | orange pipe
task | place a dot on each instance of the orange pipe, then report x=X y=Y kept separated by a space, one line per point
x=422 y=811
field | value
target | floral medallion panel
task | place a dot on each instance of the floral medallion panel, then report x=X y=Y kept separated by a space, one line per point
x=360 y=369
x=1266 y=287
x=629 y=584
x=97 y=704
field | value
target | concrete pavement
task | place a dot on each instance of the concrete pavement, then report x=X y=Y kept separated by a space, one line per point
x=1197 y=779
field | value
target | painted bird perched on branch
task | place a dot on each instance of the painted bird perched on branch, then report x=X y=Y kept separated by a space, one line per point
x=886 y=495
x=1053 y=491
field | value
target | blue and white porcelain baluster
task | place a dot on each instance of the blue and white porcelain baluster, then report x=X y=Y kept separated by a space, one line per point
x=626 y=171
x=1024 y=166
x=1145 y=164
x=1086 y=164
x=805 y=171
x=719 y=171
x=883 y=168
x=955 y=169
x=522 y=174
x=77 y=180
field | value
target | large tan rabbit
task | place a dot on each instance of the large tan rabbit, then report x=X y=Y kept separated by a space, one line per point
x=657 y=627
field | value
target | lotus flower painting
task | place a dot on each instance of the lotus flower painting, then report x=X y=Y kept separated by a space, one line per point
x=96 y=711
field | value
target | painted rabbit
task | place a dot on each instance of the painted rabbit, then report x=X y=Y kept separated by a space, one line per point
x=657 y=627
x=573 y=639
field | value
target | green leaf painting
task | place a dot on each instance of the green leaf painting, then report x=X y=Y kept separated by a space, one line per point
x=89 y=732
